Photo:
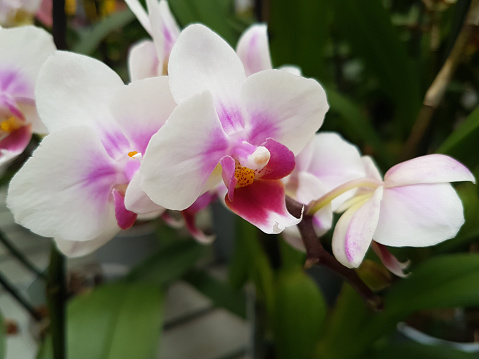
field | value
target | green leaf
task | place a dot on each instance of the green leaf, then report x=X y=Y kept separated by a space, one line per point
x=413 y=350
x=168 y=264
x=356 y=124
x=3 y=337
x=366 y=25
x=115 y=321
x=462 y=143
x=221 y=293
x=45 y=351
x=299 y=314
x=299 y=34
x=93 y=36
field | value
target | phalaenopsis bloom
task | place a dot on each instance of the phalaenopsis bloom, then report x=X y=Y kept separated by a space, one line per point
x=23 y=51
x=81 y=185
x=243 y=130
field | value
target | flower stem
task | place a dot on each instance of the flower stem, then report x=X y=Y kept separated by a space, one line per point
x=56 y=296
x=59 y=28
x=20 y=256
x=324 y=200
x=316 y=254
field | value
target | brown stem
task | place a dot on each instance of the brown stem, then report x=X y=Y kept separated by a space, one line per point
x=436 y=91
x=316 y=254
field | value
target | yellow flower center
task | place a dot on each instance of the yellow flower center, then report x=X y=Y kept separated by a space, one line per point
x=10 y=124
x=132 y=153
x=244 y=176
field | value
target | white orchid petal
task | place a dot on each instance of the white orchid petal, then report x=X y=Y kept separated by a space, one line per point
x=143 y=61
x=253 y=49
x=427 y=169
x=140 y=13
x=419 y=215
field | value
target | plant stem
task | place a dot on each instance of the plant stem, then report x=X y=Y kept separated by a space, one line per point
x=316 y=254
x=59 y=28
x=10 y=288
x=20 y=256
x=436 y=91
x=56 y=296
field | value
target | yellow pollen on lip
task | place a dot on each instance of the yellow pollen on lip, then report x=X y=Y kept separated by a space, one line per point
x=10 y=124
x=132 y=153
x=244 y=176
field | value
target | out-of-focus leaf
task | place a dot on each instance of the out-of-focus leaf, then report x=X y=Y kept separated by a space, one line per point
x=92 y=37
x=299 y=34
x=367 y=27
x=45 y=351
x=291 y=258
x=3 y=335
x=356 y=124
x=462 y=143
x=412 y=350
x=212 y=13
x=168 y=264
x=250 y=262
x=221 y=293
x=115 y=321
x=299 y=314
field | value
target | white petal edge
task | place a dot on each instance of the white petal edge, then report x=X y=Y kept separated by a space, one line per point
x=253 y=49
x=143 y=61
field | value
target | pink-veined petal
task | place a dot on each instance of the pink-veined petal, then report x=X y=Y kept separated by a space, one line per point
x=141 y=108
x=228 y=174
x=24 y=50
x=201 y=60
x=262 y=203
x=76 y=90
x=165 y=30
x=427 y=169
x=136 y=200
x=124 y=217
x=14 y=144
x=281 y=162
x=253 y=49
x=183 y=154
x=64 y=189
x=79 y=249
x=354 y=231
x=287 y=108
x=140 y=13
x=143 y=61
x=389 y=260
x=419 y=215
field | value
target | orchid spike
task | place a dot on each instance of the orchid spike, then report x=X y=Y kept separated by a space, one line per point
x=150 y=58
x=243 y=130
x=81 y=185
x=23 y=51
x=415 y=205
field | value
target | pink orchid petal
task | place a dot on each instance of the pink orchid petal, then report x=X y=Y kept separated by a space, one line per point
x=44 y=13
x=201 y=60
x=389 y=260
x=263 y=204
x=197 y=234
x=80 y=101
x=64 y=189
x=280 y=164
x=14 y=144
x=165 y=30
x=24 y=50
x=419 y=215
x=354 y=231
x=124 y=217
x=183 y=154
x=253 y=49
x=228 y=173
x=141 y=108
x=143 y=61
x=30 y=113
x=282 y=106
x=427 y=169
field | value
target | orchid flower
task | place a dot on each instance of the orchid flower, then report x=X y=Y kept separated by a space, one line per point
x=150 y=58
x=326 y=162
x=23 y=51
x=81 y=186
x=253 y=50
x=17 y=12
x=415 y=205
x=244 y=130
